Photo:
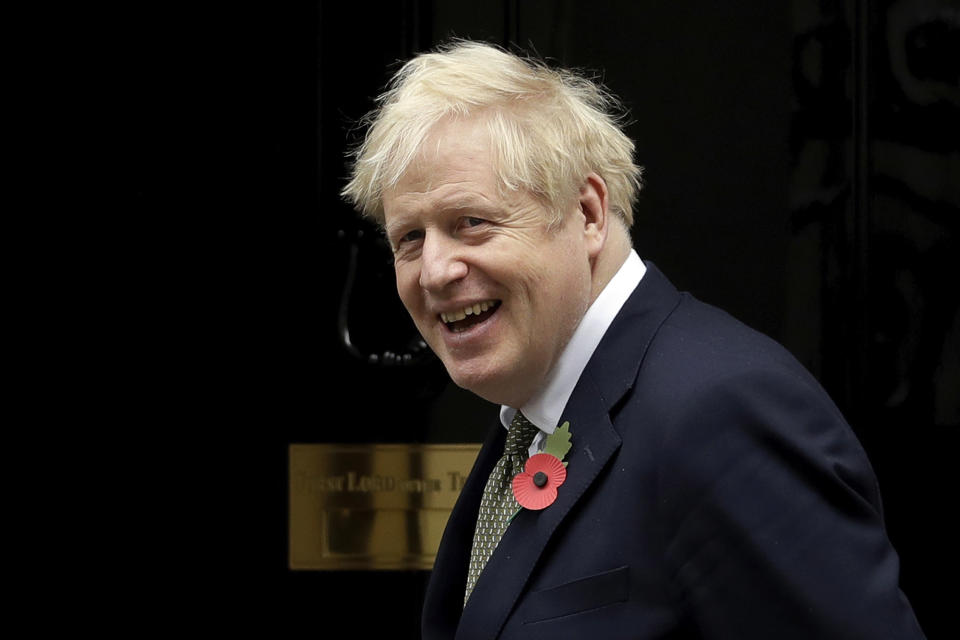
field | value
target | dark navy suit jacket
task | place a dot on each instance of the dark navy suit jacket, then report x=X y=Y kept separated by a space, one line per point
x=713 y=491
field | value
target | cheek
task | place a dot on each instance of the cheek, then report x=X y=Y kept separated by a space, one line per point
x=560 y=275
x=407 y=288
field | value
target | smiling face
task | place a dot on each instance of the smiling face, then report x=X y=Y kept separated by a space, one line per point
x=494 y=291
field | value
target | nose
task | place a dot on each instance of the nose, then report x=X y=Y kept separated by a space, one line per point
x=441 y=262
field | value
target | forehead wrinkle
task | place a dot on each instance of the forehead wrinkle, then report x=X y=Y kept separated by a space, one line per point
x=459 y=201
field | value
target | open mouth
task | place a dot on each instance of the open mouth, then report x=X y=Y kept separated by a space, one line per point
x=458 y=321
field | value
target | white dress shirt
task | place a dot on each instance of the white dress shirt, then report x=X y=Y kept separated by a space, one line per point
x=545 y=407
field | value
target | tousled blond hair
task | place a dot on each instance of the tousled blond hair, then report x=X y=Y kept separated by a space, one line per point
x=548 y=128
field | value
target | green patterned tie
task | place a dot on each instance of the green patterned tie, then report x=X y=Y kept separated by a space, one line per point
x=498 y=504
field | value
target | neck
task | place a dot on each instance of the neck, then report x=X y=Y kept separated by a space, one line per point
x=611 y=258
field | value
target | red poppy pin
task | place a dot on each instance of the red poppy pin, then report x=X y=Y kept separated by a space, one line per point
x=536 y=486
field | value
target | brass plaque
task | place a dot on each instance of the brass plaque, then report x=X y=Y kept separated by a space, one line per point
x=373 y=506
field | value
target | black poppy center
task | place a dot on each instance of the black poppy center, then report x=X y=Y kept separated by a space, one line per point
x=539 y=478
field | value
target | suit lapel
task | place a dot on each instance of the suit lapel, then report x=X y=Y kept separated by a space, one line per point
x=516 y=556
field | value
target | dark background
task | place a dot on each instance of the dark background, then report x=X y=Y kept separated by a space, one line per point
x=801 y=172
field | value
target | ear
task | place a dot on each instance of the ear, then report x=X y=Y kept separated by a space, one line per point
x=594 y=207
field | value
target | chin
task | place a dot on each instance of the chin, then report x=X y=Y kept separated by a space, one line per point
x=494 y=390
x=483 y=385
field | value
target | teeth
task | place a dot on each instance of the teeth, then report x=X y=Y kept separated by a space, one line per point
x=474 y=309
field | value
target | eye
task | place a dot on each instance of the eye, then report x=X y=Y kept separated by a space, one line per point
x=406 y=240
x=412 y=236
x=470 y=221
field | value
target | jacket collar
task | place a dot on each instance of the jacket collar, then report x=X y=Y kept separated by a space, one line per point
x=607 y=378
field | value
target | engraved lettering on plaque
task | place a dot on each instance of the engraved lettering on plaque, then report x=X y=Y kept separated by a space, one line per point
x=373 y=506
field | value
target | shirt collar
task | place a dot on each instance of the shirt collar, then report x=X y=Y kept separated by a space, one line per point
x=545 y=407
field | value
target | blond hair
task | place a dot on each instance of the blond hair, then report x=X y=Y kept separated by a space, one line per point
x=548 y=128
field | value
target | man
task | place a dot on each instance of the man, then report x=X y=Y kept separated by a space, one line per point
x=710 y=490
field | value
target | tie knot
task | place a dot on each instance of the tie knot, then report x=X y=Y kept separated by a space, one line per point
x=519 y=435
